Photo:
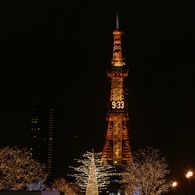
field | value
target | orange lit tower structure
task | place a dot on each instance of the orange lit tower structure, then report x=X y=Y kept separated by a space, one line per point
x=116 y=150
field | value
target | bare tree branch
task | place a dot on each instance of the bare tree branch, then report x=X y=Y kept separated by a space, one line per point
x=146 y=175
x=18 y=169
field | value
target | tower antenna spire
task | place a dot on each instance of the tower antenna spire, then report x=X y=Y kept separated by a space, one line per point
x=117 y=21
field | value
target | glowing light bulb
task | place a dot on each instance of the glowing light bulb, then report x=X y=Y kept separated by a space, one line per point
x=189 y=174
x=174 y=184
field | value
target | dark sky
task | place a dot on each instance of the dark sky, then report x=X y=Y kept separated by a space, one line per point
x=56 y=55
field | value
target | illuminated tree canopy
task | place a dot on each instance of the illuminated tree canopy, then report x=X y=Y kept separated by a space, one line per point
x=147 y=173
x=62 y=185
x=88 y=172
x=18 y=170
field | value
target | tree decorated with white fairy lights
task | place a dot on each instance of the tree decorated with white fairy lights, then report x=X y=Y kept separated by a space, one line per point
x=91 y=176
x=147 y=173
x=19 y=171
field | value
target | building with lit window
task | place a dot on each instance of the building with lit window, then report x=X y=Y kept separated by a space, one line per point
x=42 y=138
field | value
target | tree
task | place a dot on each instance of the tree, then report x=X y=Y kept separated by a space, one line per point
x=146 y=175
x=62 y=185
x=18 y=169
x=90 y=175
x=92 y=183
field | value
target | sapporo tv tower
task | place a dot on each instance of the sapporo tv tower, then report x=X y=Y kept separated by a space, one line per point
x=116 y=150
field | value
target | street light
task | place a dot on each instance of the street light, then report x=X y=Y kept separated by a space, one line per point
x=174 y=185
x=189 y=174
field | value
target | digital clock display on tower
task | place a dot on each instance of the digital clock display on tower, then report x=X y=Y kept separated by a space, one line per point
x=118 y=104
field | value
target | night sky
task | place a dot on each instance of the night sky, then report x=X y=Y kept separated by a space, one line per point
x=55 y=54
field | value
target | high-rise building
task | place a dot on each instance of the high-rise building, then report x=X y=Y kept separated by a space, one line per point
x=116 y=150
x=42 y=138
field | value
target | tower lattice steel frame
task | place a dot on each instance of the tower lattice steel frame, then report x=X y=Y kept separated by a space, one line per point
x=116 y=150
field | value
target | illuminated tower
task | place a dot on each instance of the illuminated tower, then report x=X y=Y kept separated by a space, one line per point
x=116 y=149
